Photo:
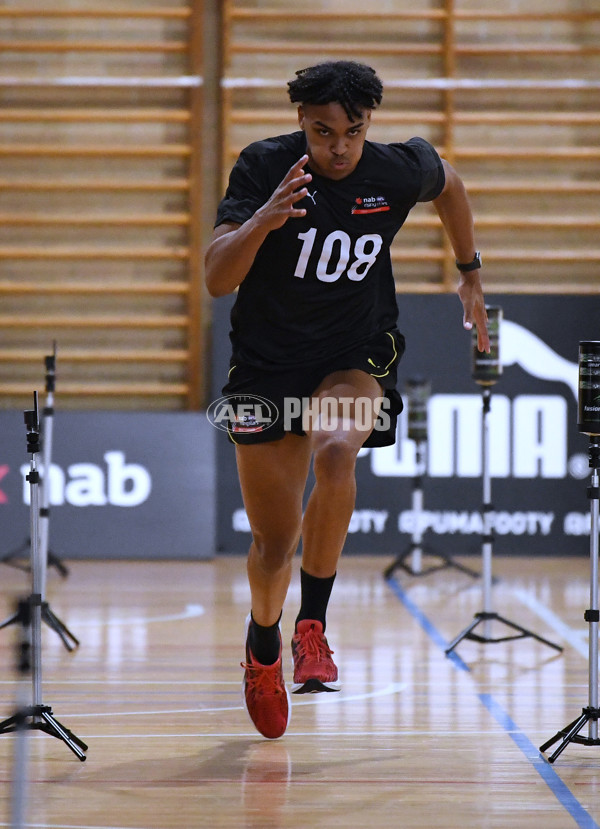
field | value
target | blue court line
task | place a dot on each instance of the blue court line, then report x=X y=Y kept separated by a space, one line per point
x=559 y=789
x=544 y=769
x=427 y=626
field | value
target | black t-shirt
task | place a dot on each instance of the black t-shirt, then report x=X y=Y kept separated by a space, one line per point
x=323 y=284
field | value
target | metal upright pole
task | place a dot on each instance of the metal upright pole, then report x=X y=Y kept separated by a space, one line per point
x=593 y=678
x=417 y=510
x=486 y=548
x=45 y=489
x=36 y=574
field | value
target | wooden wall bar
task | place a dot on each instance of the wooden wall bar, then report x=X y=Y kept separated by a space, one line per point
x=100 y=203
x=508 y=92
x=105 y=202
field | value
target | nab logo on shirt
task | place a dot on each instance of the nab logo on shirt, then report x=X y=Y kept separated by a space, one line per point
x=370 y=204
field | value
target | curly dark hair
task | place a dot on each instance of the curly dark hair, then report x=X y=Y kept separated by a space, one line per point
x=354 y=86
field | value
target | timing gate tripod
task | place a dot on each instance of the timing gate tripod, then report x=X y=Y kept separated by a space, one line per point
x=38 y=716
x=487 y=615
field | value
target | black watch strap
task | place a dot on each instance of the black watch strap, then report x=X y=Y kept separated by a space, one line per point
x=473 y=265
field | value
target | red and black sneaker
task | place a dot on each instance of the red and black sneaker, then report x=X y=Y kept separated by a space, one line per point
x=314 y=669
x=265 y=697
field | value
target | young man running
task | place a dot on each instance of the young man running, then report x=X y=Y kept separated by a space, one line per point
x=304 y=234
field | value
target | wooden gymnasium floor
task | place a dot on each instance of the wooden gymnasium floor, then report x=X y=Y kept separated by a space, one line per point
x=415 y=738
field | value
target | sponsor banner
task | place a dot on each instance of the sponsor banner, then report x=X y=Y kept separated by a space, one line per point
x=539 y=462
x=121 y=485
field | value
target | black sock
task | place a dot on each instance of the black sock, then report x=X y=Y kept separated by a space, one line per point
x=315 y=594
x=264 y=642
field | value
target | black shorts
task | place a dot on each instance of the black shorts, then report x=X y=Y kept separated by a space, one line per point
x=261 y=406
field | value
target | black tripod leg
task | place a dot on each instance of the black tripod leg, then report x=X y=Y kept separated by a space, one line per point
x=54 y=728
x=49 y=725
x=462 y=567
x=567 y=734
x=68 y=639
x=42 y=720
x=445 y=561
x=10 y=724
x=56 y=562
x=559 y=734
x=10 y=621
x=16 y=554
x=530 y=633
x=391 y=569
x=462 y=635
x=399 y=562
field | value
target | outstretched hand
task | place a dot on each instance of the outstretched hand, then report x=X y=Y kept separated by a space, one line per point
x=471 y=296
x=281 y=206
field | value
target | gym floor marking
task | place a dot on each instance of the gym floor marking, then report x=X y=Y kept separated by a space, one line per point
x=548 y=774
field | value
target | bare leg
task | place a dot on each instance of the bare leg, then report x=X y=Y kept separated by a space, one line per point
x=331 y=502
x=273 y=478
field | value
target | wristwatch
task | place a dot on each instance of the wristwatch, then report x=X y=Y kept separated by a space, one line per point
x=473 y=265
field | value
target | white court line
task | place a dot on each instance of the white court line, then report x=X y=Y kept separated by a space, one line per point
x=392 y=688
x=70 y=826
x=451 y=735
x=573 y=637
x=190 y=612
x=144 y=682
x=233 y=682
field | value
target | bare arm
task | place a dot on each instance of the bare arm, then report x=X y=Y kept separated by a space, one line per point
x=454 y=210
x=233 y=248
